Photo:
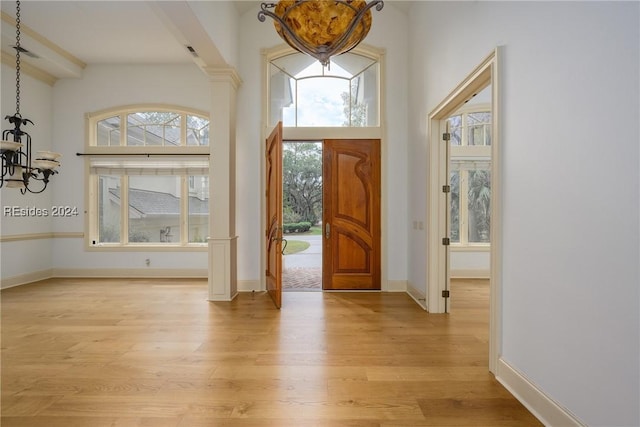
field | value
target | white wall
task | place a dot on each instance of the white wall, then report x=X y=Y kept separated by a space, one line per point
x=220 y=20
x=249 y=144
x=570 y=185
x=102 y=87
x=35 y=104
x=466 y=263
x=396 y=142
x=256 y=36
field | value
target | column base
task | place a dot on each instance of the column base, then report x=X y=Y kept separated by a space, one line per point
x=223 y=284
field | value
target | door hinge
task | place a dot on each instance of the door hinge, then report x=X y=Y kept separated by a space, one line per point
x=446 y=136
x=445 y=293
x=446 y=189
x=446 y=241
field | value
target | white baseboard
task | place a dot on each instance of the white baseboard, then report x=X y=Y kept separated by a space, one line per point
x=138 y=273
x=38 y=236
x=114 y=273
x=470 y=274
x=395 y=286
x=168 y=273
x=417 y=296
x=23 y=279
x=535 y=400
x=223 y=298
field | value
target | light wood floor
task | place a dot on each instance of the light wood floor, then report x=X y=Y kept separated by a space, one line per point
x=125 y=353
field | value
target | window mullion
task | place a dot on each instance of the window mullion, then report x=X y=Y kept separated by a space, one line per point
x=485 y=133
x=124 y=212
x=184 y=210
x=350 y=102
x=124 y=129
x=464 y=131
x=297 y=100
x=94 y=226
x=183 y=130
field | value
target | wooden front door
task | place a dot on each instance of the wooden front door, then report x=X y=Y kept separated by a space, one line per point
x=274 y=215
x=351 y=219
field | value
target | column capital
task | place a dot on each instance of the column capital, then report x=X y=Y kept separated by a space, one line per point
x=224 y=74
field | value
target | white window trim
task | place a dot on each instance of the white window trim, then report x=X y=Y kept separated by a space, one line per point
x=465 y=111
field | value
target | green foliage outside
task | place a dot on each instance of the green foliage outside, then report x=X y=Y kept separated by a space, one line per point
x=480 y=203
x=296 y=227
x=302 y=182
x=455 y=206
x=315 y=231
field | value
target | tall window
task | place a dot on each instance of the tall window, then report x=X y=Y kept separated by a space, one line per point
x=470 y=177
x=148 y=178
x=304 y=93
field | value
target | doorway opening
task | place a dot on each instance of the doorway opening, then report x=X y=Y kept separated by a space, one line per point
x=469 y=208
x=302 y=216
x=330 y=215
x=483 y=168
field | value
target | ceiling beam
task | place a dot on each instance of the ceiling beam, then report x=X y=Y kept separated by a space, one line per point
x=50 y=60
x=183 y=23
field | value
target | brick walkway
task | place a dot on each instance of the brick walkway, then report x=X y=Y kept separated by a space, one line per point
x=302 y=279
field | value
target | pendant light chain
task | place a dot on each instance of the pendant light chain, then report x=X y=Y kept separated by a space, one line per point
x=19 y=168
x=18 y=58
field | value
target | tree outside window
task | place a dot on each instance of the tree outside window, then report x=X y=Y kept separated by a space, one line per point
x=470 y=177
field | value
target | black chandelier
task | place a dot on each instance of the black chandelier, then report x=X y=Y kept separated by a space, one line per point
x=19 y=169
x=321 y=28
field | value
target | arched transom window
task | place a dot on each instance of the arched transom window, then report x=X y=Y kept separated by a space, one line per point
x=303 y=93
x=151 y=127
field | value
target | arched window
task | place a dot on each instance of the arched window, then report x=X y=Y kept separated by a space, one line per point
x=303 y=93
x=150 y=127
x=148 y=178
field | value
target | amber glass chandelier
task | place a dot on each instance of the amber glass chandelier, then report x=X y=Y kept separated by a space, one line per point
x=321 y=28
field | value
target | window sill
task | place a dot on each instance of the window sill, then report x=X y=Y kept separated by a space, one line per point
x=482 y=247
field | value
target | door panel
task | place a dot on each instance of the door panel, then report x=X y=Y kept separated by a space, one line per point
x=351 y=218
x=274 y=215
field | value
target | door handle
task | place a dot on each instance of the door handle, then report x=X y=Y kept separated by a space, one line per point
x=327 y=230
x=274 y=234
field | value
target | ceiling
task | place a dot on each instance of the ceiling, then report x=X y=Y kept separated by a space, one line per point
x=94 y=32
x=113 y=32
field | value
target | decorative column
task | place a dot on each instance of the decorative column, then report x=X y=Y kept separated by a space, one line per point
x=222 y=239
